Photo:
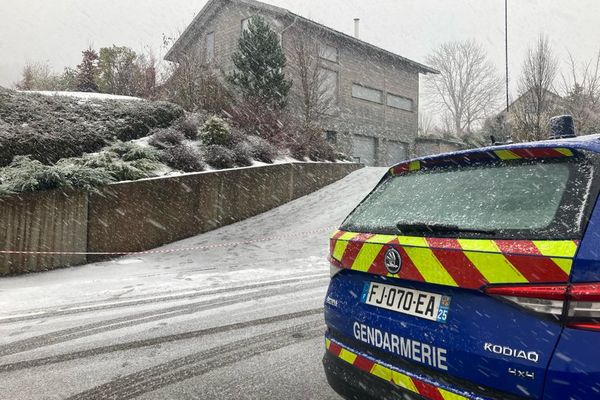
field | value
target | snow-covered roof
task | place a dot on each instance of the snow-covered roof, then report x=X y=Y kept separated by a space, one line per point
x=189 y=33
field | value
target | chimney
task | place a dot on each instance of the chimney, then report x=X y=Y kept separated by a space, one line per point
x=356 y=28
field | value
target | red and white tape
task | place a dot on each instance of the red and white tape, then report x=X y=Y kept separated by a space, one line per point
x=165 y=251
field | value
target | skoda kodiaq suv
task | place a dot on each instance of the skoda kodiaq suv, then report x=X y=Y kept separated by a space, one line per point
x=471 y=275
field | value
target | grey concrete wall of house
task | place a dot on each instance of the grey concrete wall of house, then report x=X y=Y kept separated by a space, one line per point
x=226 y=24
x=137 y=216
x=353 y=116
x=43 y=221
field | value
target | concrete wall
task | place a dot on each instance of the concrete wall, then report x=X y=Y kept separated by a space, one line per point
x=431 y=146
x=44 y=221
x=141 y=215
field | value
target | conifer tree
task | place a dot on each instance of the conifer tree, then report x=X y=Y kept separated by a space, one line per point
x=259 y=62
x=87 y=72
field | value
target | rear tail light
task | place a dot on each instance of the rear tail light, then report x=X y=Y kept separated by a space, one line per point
x=584 y=306
x=577 y=305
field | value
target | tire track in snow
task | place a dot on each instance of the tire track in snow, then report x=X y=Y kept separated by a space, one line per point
x=154 y=341
x=93 y=328
x=90 y=307
x=159 y=376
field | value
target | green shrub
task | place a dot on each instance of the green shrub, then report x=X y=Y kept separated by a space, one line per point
x=190 y=125
x=183 y=158
x=165 y=138
x=261 y=150
x=49 y=128
x=219 y=157
x=242 y=154
x=129 y=151
x=4 y=190
x=119 y=169
x=135 y=119
x=215 y=131
x=25 y=175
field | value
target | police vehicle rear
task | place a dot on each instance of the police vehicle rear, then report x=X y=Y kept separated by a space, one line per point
x=471 y=275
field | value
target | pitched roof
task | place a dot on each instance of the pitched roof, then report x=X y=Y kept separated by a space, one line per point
x=188 y=34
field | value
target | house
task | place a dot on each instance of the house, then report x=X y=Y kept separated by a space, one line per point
x=528 y=101
x=375 y=93
x=527 y=118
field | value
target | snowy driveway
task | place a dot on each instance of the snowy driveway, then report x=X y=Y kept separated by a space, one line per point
x=238 y=321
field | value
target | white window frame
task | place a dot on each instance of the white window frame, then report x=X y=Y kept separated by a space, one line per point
x=210 y=46
x=329 y=53
x=391 y=96
x=357 y=95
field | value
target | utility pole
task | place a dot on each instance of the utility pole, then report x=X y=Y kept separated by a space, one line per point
x=506 y=50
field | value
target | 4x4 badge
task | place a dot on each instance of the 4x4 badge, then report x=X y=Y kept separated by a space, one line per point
x=393 y=261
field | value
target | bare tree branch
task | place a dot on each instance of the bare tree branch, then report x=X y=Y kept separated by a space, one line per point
x=582 y=94
x=468 y=87
x=316 y=94
x=537 y=103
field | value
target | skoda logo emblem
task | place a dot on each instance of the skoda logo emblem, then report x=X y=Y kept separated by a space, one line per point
x=393 y=261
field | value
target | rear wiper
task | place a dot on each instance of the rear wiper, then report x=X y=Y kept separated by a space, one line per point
x=438 y=228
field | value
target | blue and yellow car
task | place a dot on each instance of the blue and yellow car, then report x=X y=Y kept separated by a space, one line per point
x=471 y=275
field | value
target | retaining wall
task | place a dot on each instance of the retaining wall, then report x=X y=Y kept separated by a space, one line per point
x=141 y=215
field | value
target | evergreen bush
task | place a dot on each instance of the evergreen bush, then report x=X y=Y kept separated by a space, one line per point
x=129 y=151
x=166 y=138
x=215 y=131
x=25 y=175
x=49 y=128
x=219 y=157
x=261 y=150
x=183 y=158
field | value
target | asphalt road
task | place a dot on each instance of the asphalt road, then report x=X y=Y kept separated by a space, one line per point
x=242 y=320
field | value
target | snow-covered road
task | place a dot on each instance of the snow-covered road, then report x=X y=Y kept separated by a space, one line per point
x=239 y=321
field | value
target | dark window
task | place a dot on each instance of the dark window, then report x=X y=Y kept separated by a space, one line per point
x=403 y=103
x=367 y=93
x=543 y=200
x=328 y=53
x=331 y=136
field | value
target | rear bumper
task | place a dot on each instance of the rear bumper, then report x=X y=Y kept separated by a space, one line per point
x=358 y=376
x=354 y=384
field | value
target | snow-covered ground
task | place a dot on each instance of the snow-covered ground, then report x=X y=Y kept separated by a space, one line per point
x=239 y=321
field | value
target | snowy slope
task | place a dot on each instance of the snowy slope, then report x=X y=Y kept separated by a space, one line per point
x=297 y=252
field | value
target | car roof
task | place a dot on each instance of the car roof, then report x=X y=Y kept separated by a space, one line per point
x=588 y=142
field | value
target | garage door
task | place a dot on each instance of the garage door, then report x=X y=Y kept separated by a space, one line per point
x=395 y=152
x=364 y=149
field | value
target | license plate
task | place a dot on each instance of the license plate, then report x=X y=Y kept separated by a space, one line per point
x=431 y=306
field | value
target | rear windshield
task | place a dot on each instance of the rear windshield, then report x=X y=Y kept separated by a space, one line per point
x=518 y=200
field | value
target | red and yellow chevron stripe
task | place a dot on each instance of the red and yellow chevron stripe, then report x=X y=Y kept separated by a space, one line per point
x=493 y=155
x=467 y=263
x=404 y=381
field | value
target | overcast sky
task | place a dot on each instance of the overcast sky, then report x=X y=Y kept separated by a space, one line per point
x=57 y=30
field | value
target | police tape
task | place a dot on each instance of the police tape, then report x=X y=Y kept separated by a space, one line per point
x=166 y=251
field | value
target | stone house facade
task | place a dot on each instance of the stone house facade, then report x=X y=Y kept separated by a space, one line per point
x=375 y=93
